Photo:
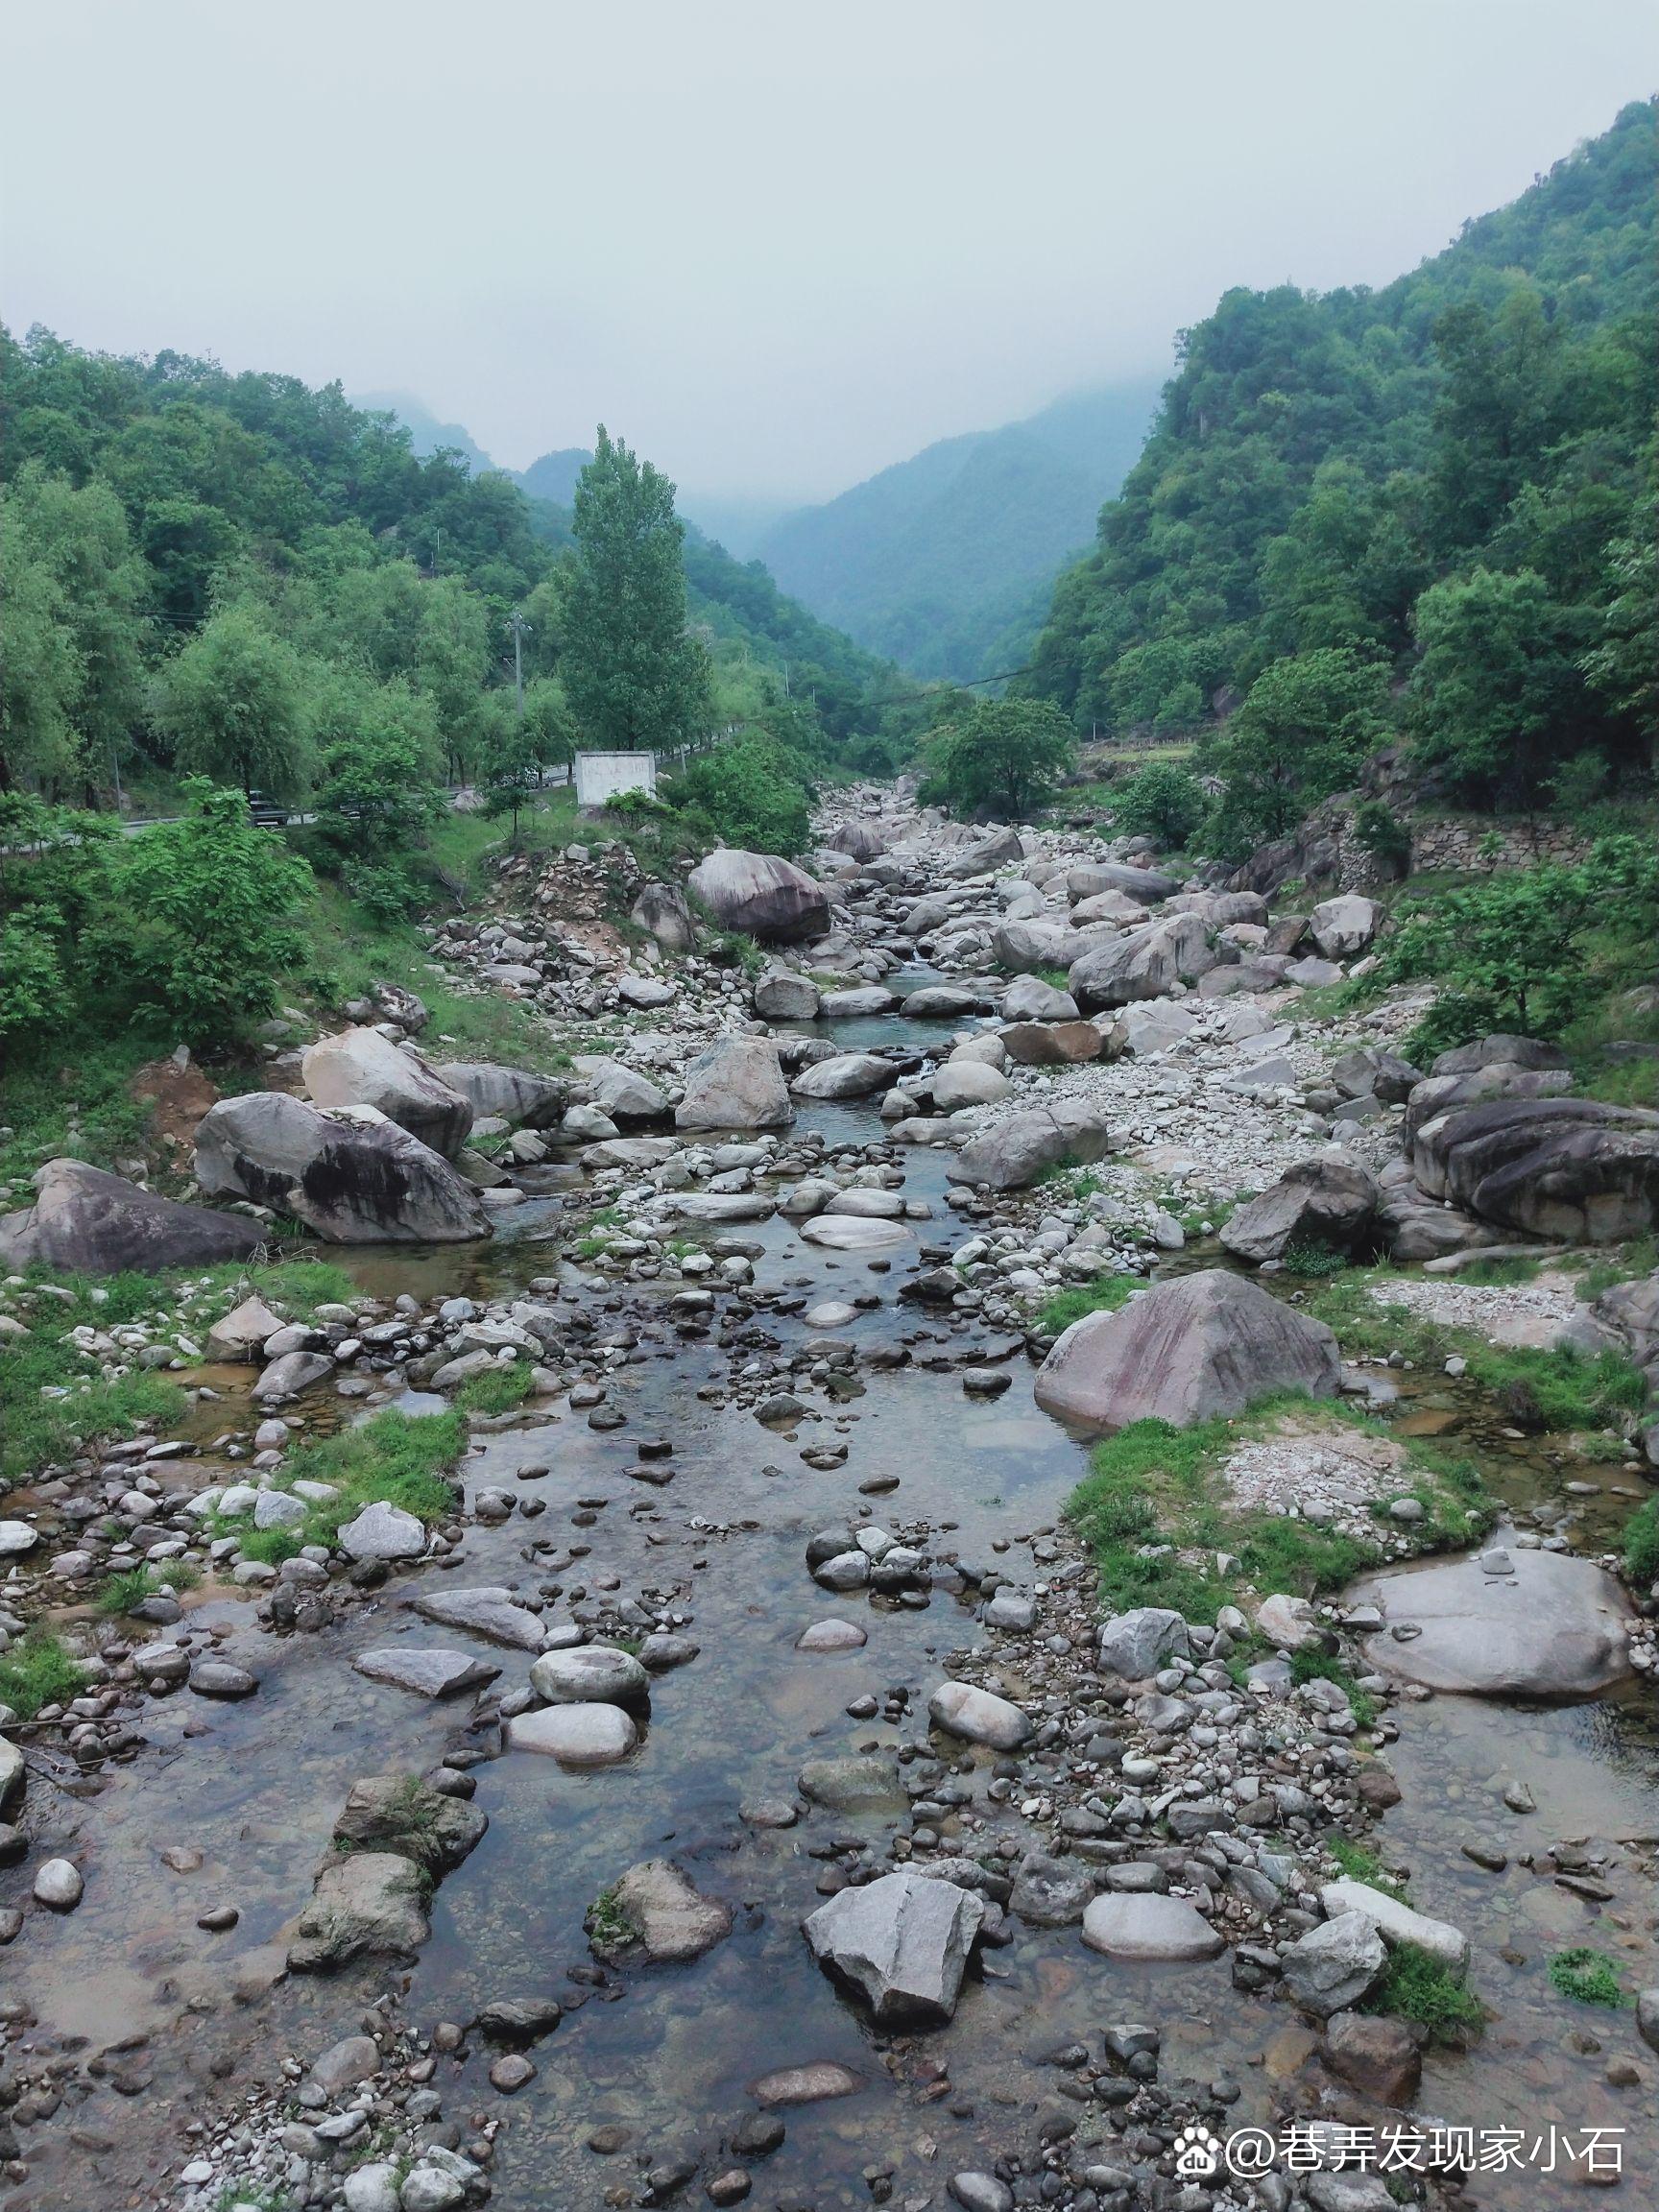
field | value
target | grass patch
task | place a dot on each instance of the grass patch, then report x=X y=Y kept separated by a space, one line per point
x=1640 y=1257
x=1641 y=1545
x=498 y=1391
x=1562 y=1390
x=36 y=1672
x=1159 y=1522
x=1587 y=1976
x=396 y=1458
x=1309 y=1666
x=1359 y=1863
x=1415 y=1987
x=122 y=1592
x=1103 y=1295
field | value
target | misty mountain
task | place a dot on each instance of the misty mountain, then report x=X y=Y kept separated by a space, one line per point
x=426 y=434
x=554 y=476
x=942 y=560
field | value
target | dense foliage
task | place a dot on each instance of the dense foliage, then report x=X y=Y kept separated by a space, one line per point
x=998 y=756
x=1450 y=481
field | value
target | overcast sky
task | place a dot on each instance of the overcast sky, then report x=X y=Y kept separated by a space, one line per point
x=775 y=245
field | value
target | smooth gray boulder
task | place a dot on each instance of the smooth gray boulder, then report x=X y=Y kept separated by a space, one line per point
x=781 y=997
x=859 y=999
x=735 y=1084
x=847 y=1076
x=1021 y=946
x=589 y=1674
x=1184 y=1351
x=1095 y=878
x=1504 y=1623
x=1148 y=1927
x=382 y=1532
x=903 y=1942
x=1397 y=1923
x=1145 y=963
x=290 y=1373
x=93 y=1223
x=1567 y=1168
x=242 y=1333
x=1329 y=1201
x=1334 y=1965
x=1028 y=999
x=591 y=1735
x=662 y=908
x=978 y=1716
x=1021 y=1147
x=1136 y=1643
x=761 y=895
x=862 y=840
x=489 y=1612
x=622 y=1093
x=962 y=1083
x=1001 y=849
x=855 y=1233
x=370 y=1902
x=1344 y=926
x=423 y=1671
x=941 y=1002
x=361 y=1068
x=353 y=1177
x=507 y=1093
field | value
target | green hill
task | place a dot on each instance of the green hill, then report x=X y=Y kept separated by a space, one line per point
x=934 y=561
x=1449 y=481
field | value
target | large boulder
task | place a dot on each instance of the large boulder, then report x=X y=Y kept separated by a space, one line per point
x=735 y=1084
x=845 y=1076
x=1145 y=963
x=361 y=1068
x=1440 y=1095
x=622 y=1093
x=1000 y=849
x=862 y=840
x=903 y=1942
x=404 y=1815
x=654 y=1915
x=93 y=1223
x=504 y=1094
x=760 y=895
x=1530 y=1052
x=662 y=910
x=1344 y=926
x=371 y=1902
x=1506 y=1624
x=968 y=1083
x=1144 y=885
x=1185 y=1351
x=1030 y=1000
x=1020 y=947
x=1570 y=1168
x=355 y=1178
x=1329 y=1201
x=782 y=997
x=1018 y=1150
x=1333 y=1966
x=1148 y=1926
x=1052 y=1044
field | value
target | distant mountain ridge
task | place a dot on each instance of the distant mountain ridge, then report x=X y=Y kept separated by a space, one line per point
x=427 y=435
x=942 y=559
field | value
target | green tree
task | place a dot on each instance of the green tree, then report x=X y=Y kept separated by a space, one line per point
x=1304 y=727
x=452 y=661
x=377 y=790
x=1622 y=666
x=40 y=671
x=519 y=749
x=201 y=918
x=1160 y=801
x=634 y=678
x=753 y=793
x=1001 y=756
x=234 y=704
x=1498 y=699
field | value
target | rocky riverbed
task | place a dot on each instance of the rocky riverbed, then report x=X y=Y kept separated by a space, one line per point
x=733 y=1790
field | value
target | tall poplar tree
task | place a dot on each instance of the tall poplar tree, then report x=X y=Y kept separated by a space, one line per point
x=634 y=678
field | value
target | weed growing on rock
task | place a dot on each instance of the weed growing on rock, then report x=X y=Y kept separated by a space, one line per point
x=1417 y=1987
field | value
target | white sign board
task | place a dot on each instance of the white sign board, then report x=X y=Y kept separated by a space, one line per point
x=601 y=776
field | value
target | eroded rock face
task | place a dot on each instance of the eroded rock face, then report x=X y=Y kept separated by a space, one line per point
x=1184 y=1351
x=902 y=1942
x=355 y=1178
x=1570 y=1168
x=735 y=1084
x=99 y=1224
x=762 y=896
x=361 y=1068
x=1329 y=1200
x=1505 y=1623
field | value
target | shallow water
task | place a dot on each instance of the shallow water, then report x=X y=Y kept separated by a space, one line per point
x=671 y=2057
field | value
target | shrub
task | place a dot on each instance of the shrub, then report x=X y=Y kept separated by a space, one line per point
x=1641 y=1546
x=1589 y=1976
x=1160 y=801
x=1416 y=1987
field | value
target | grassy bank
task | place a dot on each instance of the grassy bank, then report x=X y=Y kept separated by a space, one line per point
x=396 y=1460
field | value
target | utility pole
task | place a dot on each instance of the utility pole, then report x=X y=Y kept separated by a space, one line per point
x=515 y=623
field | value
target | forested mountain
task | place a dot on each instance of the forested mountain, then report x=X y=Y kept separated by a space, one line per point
x=1447 y=485
x=554 y=476
x=934 y=561
x=269 y=566
x=426 y=434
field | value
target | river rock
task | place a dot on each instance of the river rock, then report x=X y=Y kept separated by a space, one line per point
x=1149 y=1926
x=1137 y=1643
x=17 y=1537
x=427 y=1673
x=382 y=1532
x=760 y=895
x=853 y=1003
x=847 y=1076
x=1094 y=878
x=1344 y=926
x=1020 y=947
x=981 y=2193
x=963 y=1083
x=1648 y=2018
x=1001 y=849
x=1029 y=998
x=1334 y=1965
x=852 y=1233
x=592 y=1735
x=664 y=1917
x=370 y=1902
x=1397 y=1923
x=1378 y=2056
x=406 y=1816
x=1548 y=1626
x=361 y=1068
x=58 y=1885
x=832 y=1635
x=810 y=2084
x=290 y=1374
x=13 y=1776
x=782 y=997
x=589 y=1674
x=1051 y=1892
x=1052 y=1044
x=852 y=1784
x=1329 y=1200
x=353 y=1177
x=1184 y=1351
x=491 y=1612
x=92 y=1223
x=242 y=1333
x=978 y=1716
x=1019 y=1149
x=735 y=1084
x=903 y=1942
x=506 y=1093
